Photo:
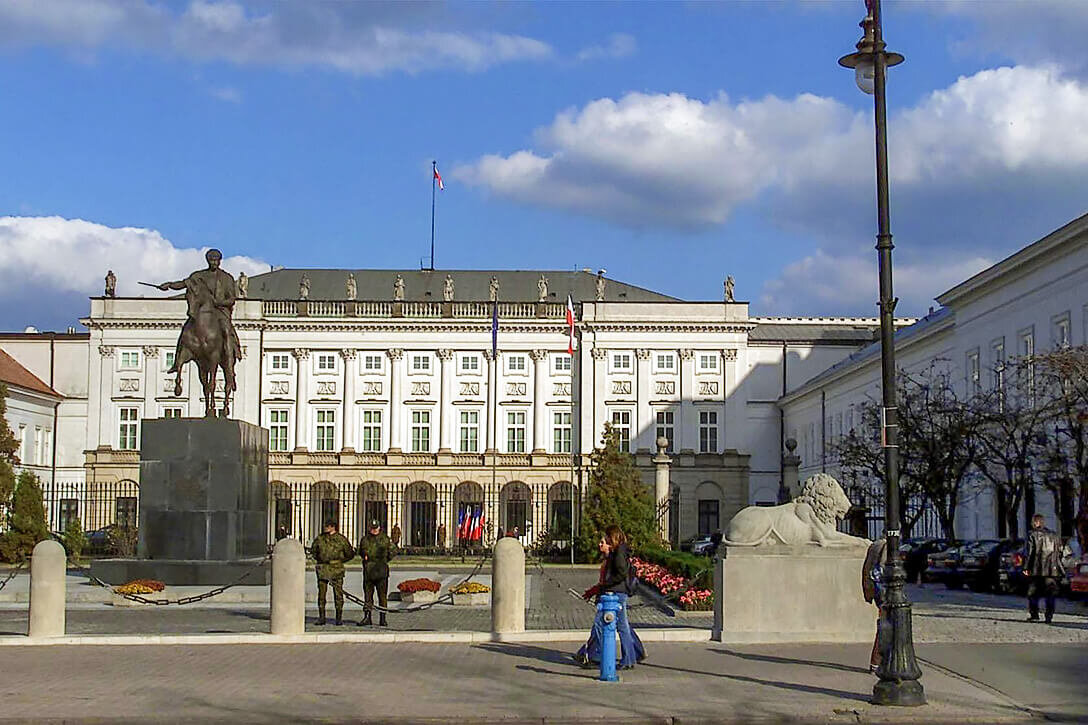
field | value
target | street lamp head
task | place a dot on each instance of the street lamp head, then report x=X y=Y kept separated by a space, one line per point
x=863 y=62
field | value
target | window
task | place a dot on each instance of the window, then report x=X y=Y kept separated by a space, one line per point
x=38 y=446
x=170 y=359
x=280 y=362
x=125 y=509
x=1061 y=331
x=277 y=430
x=326 y=362
x=997 y=363
x=561 y=432
x=515 y=431
x=708 y=362
x=621 y=423
x=326 y=430
x=129 y=424
x=172 y=412
x=560 y=518
x=421 y=431
x=665 y=428
x=561 y=362
x=470 y=431
x=470 y=364
x=372 y=363
x=708 y=431
x=708 y=516
x=67 y=512
x=421 y=364
x=47 y=446
x=621 y=362
x=664 y=362
x=24 y=444
x=515 y=364
x=372 y=431
x=130 y=359
x=974 y=372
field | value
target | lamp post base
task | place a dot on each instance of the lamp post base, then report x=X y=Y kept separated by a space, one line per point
x=902 y=693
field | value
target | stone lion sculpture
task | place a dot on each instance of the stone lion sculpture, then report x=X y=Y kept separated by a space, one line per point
x=808 y=519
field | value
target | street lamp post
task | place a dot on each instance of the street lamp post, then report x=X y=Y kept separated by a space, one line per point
x=899 y=671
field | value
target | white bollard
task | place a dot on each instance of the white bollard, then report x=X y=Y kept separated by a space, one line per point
x=48 y=567
x=508 y=587
x=288 y=587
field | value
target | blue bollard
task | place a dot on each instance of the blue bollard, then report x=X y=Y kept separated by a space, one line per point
x=608 y=606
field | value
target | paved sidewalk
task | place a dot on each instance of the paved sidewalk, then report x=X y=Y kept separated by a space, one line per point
x=513 y=683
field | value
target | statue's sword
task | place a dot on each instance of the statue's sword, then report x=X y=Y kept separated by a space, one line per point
x=148 y=284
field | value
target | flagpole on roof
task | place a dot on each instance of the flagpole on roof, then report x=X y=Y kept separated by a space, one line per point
x=434 y=177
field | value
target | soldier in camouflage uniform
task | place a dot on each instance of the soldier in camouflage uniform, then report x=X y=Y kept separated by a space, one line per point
x=330 y=550
x=376 y=550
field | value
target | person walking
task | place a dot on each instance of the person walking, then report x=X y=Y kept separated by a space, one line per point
x=330 y=550
x=376 y=550
x=872 y=587
x=615 y=579
x=1043 y=567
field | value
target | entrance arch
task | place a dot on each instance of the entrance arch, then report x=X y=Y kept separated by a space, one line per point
x=421 y=514
x=371 y=503
x=515 y=511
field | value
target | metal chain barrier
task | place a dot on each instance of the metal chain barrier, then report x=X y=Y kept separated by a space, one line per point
x=447 y=597
x=13 y=572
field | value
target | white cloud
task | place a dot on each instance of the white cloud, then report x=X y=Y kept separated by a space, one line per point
x=619 y=45
x=846 y=284
x=55 y=256
x=358 y=38
x=226 y=94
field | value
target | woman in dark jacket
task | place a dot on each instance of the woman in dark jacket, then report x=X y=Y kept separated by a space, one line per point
x=615 y=579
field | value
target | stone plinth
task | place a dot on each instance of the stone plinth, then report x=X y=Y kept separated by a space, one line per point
x=791 y=594
x=203 y=504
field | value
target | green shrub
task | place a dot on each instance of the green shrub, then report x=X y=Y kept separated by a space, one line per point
x=26 y=520
x=74 y=539
x=698 y=569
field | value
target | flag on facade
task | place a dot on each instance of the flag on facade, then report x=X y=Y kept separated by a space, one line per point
x=571 y=342
x=461 y=523
x=438 y=178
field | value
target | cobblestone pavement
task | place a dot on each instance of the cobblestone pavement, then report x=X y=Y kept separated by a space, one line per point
x=512 y=683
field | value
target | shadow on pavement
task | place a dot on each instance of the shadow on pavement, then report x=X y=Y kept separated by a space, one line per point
x=542 y=654
x=792 y=686
x=789 y=661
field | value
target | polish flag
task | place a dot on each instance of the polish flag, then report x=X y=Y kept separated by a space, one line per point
x=438 y=178
x=572 y=342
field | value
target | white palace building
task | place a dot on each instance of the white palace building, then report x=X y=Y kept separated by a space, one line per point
x=397 y=409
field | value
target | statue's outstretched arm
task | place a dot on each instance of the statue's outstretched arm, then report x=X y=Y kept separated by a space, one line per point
x=180 y=284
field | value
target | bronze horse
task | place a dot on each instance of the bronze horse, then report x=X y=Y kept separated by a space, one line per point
x=208 y=336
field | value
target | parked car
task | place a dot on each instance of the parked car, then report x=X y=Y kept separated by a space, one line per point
x=1078 y=581
x=689 y=542
x=1072 y=558
x=702 y=546
x=1010 y=572
x=914 y=552
x=980 y=564
x=941 y=564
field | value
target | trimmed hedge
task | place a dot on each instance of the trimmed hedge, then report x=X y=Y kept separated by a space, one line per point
x=697 y=568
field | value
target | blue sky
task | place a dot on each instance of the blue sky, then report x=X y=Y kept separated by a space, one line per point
x=671 y=143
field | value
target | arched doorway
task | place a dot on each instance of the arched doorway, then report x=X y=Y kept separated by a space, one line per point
x=371 y=504
x=708 y=498
x=280 y=510
x=421 y=514
x=560 y=512
x=515 y=511
x=470 y=518
x=324 y=506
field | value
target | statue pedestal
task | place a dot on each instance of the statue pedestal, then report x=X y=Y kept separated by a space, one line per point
x=203 y=504
x=765 y=594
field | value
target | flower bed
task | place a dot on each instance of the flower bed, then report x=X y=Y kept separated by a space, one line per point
x=470 y=594
x=411 y=586
x=692 y=599
x=140 y=586
x=470 y=588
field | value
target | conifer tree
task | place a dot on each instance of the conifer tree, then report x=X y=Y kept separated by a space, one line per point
x=615 y=495
x=8 y=458
x=26 y=520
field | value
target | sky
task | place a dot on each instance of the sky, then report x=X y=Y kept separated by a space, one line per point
x=671 y=144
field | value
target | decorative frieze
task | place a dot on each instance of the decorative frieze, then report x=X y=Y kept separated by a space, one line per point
x=371 y=387
x=665 y=387
x=515 y=388
x=128 y=385
x=708 y=387
x=470 y=388
x=279 y=387
x=621 y=387
x=421 y=388
x=326 y=387
x=561 y=389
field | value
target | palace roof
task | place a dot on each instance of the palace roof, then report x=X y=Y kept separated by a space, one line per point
x=14 y=374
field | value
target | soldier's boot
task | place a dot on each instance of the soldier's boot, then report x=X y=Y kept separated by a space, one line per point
x=366 y=621
x=339 y=617
x=321 y=616
x=381 y=620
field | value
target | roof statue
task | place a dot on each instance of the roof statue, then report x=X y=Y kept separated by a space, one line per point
x=304 y=287
x=729 y=283
x=111 y=283
x=599 y=286
x=447 y=289
x=398 y=289
x=351 y=288
x=542 y=289
x=208 y=336
x=493 y=289
x=243 y=285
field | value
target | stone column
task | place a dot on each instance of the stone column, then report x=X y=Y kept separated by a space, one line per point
x=687 y=428
x=47 y=589
x=661 y=486
x=445 y=398
x=507 y=588
x=645 y=425
x=351 y=374
x=735 y=404
x=492 y=399
x=103 y=388
x=791 y=482
x=288 y=612
x=151 y=381
x=599 y=394
x=582 y=402
x=540 y=410
x=396 y=356
x=302 y=392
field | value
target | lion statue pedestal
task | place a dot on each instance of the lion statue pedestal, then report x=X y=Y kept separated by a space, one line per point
x=785 y=574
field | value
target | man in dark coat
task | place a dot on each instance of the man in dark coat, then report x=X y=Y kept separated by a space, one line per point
x=376 y=550
x=330 y=550
x=1043 y=567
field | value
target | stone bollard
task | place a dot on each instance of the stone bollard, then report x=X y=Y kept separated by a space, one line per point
x=508 y=587
x=288 y=587
x=48 y=567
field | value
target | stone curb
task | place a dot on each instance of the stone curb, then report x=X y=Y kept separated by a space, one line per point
x=540 y=635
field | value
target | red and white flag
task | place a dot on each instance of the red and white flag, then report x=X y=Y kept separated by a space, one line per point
x=438 y=178
x=572 y=342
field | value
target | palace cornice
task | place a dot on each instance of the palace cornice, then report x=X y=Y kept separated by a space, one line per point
x=730 y=327
x=432 y=326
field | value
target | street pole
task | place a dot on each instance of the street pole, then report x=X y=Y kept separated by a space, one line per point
x=898 y=671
